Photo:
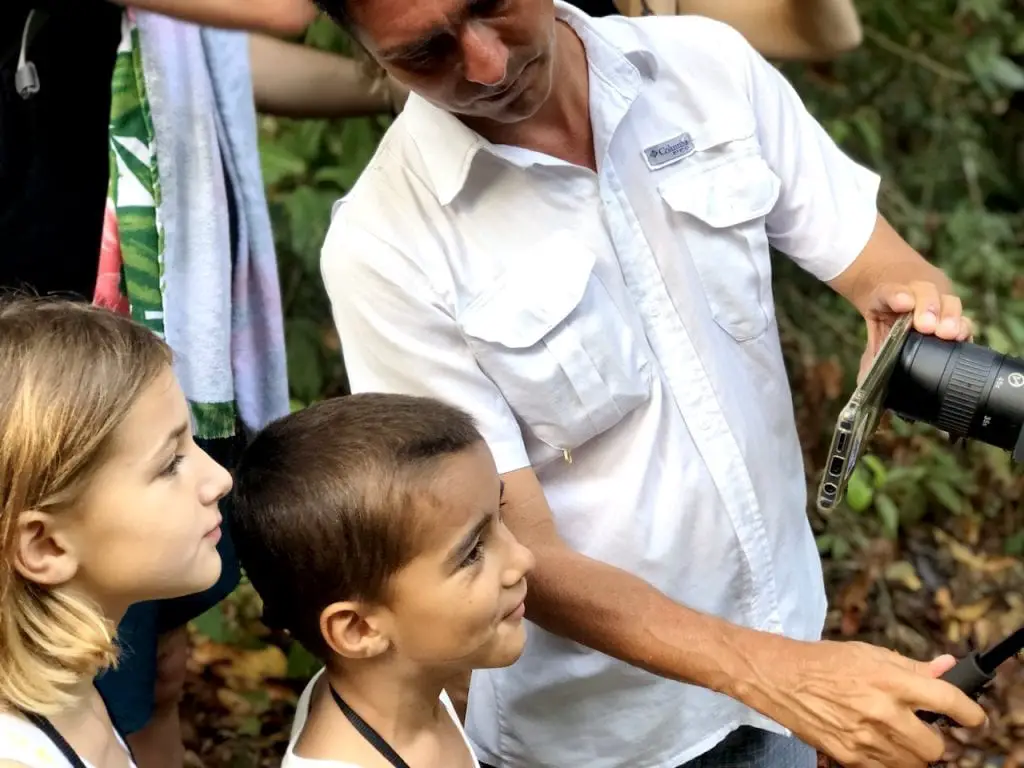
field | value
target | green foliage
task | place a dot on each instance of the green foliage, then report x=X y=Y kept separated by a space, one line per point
x=933 y=101
x=307 y=166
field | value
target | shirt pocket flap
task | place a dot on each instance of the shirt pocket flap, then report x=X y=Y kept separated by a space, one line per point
x=728 y=194
x=722 y=130
x=534 y=295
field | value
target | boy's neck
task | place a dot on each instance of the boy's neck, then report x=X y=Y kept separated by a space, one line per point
x=399 y=703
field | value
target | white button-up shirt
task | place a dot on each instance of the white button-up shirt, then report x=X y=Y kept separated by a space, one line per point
x=616 y=331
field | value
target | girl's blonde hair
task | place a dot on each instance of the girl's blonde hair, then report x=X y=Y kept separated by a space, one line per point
x=69 y=374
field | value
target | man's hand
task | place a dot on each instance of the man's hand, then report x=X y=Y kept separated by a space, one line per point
x=856 y=702
x=889 y=279
x=935 y=312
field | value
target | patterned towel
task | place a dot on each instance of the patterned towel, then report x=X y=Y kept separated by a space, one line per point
x=182 y=126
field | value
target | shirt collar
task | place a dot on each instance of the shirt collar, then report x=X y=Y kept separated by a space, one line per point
x=448 y=147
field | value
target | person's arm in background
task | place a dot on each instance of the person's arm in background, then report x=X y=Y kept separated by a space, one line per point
x=295 y=80
x=278 y=17
x=802 y=30
x=289 y=79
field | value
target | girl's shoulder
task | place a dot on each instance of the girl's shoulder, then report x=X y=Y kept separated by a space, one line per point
x=23 y=745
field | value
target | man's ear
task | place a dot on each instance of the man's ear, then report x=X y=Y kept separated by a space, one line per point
x=42 y=553
x=354 y=630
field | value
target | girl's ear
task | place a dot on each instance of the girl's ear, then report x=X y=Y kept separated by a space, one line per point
x=43 y=554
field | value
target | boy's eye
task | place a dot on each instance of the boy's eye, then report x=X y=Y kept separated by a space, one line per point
x=172 y=469
x=476 y=554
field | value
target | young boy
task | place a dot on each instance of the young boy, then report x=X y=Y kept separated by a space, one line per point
x=371 y=527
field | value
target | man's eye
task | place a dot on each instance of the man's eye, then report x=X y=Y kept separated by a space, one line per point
x=487 y=7
x=430 y=55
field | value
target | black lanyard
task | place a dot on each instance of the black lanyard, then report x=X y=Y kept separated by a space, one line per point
x=48 y=729
x=367 y=732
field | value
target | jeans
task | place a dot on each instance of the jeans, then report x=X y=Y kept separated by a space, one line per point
x=749 y=747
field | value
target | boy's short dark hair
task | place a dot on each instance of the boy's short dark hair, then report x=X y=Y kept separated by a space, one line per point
x=322 y=496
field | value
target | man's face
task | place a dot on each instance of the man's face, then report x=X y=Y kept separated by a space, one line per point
x=489 y=59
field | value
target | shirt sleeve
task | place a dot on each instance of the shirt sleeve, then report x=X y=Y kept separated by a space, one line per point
x=827 y=206
x=398 y=337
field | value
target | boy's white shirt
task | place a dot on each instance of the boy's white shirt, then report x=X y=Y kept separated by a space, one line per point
x=291 y=760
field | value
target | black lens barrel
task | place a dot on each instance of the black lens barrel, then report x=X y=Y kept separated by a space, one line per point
x=964 y=389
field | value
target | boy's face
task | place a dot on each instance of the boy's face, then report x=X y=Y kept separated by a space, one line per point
x=459 y=604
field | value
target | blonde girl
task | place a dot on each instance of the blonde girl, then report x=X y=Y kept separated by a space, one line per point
x=105 y=501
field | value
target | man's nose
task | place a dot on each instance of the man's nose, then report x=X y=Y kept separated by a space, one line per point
x=485 y=57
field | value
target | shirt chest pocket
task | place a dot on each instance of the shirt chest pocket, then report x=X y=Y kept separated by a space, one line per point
x=719 y=214
x=549 y=335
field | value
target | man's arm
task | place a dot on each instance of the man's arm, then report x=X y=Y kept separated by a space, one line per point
x=294 y=80
x=891 y=277
x=853 y=701
x=607 y=609
x=281 y=17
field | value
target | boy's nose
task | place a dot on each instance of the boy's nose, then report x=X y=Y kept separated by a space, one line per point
x=521 y=562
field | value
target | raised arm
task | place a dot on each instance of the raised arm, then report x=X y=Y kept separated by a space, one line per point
x=294 y=80
x=279 y=17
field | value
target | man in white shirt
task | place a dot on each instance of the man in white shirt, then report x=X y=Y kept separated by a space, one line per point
x=566 y=234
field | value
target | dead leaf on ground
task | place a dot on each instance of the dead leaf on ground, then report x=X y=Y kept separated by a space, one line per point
x=903 y=573
x=248 y=667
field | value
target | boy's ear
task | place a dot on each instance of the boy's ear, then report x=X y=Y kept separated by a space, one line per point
x=354 y=630
x=42 y=553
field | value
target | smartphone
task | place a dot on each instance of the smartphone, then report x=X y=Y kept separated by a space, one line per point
x=859 y=418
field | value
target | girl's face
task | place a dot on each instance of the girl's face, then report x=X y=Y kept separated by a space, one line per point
x=148 y=524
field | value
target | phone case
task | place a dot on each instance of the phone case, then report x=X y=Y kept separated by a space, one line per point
x=859 y=418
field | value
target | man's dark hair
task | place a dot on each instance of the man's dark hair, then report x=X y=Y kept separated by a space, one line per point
x=322 y=501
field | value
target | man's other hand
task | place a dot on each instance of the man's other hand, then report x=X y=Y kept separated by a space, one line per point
x=857 y=702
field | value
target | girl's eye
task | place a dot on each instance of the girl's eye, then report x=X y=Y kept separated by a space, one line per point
x=475 y=555
x=172 y=469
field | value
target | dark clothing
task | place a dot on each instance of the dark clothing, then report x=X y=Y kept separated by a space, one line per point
x=596 y=7
x=749 y=747
x=53 y=146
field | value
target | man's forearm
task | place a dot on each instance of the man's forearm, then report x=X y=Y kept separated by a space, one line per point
x=618 y=614
x=293 y=80
x=886 y=259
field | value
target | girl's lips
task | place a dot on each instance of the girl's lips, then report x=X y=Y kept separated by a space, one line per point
x=215 y=533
